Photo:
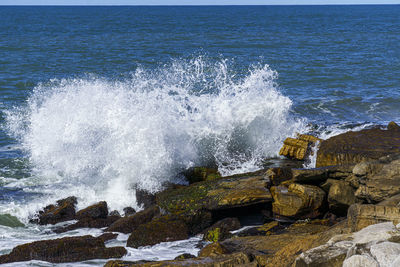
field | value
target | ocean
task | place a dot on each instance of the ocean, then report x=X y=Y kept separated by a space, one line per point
x=98 y=101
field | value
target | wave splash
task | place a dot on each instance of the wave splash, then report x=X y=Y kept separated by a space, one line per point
x=98 y=138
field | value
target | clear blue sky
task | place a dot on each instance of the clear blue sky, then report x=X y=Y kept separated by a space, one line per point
x=193 y=2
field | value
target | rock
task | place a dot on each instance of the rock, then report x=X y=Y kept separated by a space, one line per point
x=320 y=175
x=216 y=195
x=96 y=211
x=297 y=201
x=107 y=236
x=392 y=201
x=392 y=126
x=128 y=211
x=363 y=215
x=278 y=175
x=298 y=148
x=385 y=253
x=64 y=210
x=144 y=198
x=198 y=174
x=87 y=222
x=367 y=247
x=360 y=261
x=221 y=229
x=354 y=147
x=163 y=229
x=264 y=229
x=128 y=224
x=341 y=196
x=185 y=256
x=115 y=213
x=381 y=181
x=67 y=249
x=213 y=249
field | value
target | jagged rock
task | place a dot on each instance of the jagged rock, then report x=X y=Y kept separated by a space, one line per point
x=381 y=181
x=392 y=126
x=297 y=201
x=340 y=197
x=64 y=210
x=128 y=224
x=96 y=211
x=128 y=211
x=298 y=148
x=354 y=147
x=115 y=213
x=213 y=249
x=163 y=229
x=363 y=215
x=370 y=243
x=221 y=229
x=278 y=175
x=360 y=261
x=215 y=195
x=198 y=174
x=67 y=249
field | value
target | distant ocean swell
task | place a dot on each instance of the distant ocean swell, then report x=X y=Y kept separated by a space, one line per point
x=98 y=139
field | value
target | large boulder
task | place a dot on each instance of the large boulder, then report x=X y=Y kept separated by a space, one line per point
x=298 y=148
x=163 y=229
x=67 y=249
x=95 y=211
x=63 y=210
x=297 y=201
x=379 y=179
x=340 y=197
x=216 y=195
x=221 y=229
x=128 y=224
x=354 y=147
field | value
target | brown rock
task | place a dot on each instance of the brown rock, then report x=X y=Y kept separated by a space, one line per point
x=67 y=249
x=64 y=210
x=89 y=223
x=354 y=147
x=341 y=196
x=163 y=229
x=278 y=175
x=297 y=201
x=128 y=224
x=221 y=229
x=298 y=148
x=363 y=215
x=213 y=249
x=198 y=174
x=96 y=211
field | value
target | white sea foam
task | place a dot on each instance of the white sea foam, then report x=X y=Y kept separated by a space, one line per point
x=97 y=139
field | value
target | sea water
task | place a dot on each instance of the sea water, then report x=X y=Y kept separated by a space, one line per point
x=98 y=101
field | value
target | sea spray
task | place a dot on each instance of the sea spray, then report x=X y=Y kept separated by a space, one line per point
x=97 y=139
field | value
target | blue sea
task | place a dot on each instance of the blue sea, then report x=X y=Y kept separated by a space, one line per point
x=98 y=101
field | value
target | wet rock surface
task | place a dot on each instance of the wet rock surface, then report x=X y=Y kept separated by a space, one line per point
x=67 y=249
x=63 y=210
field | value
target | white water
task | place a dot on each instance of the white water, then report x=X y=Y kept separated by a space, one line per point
x=97 y=139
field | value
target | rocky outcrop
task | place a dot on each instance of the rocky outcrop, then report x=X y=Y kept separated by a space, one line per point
x=363 y=215
x=63 y=210
x=216 y=195
x=372 y=246
x=67 y=249
x=340 y=197
x=128 y=224
x=298 y=148
x=163 y=229
x=379 y=180
x=95 y=211
x=319 y=175
x=354 y=147
x=297 y=201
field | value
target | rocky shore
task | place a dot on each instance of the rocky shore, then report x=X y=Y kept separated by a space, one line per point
x=345 y=212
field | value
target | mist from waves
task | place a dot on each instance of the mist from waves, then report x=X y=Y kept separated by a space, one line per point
x=98 y=139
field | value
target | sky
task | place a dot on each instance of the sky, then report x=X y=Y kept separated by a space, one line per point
x=193 y=2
